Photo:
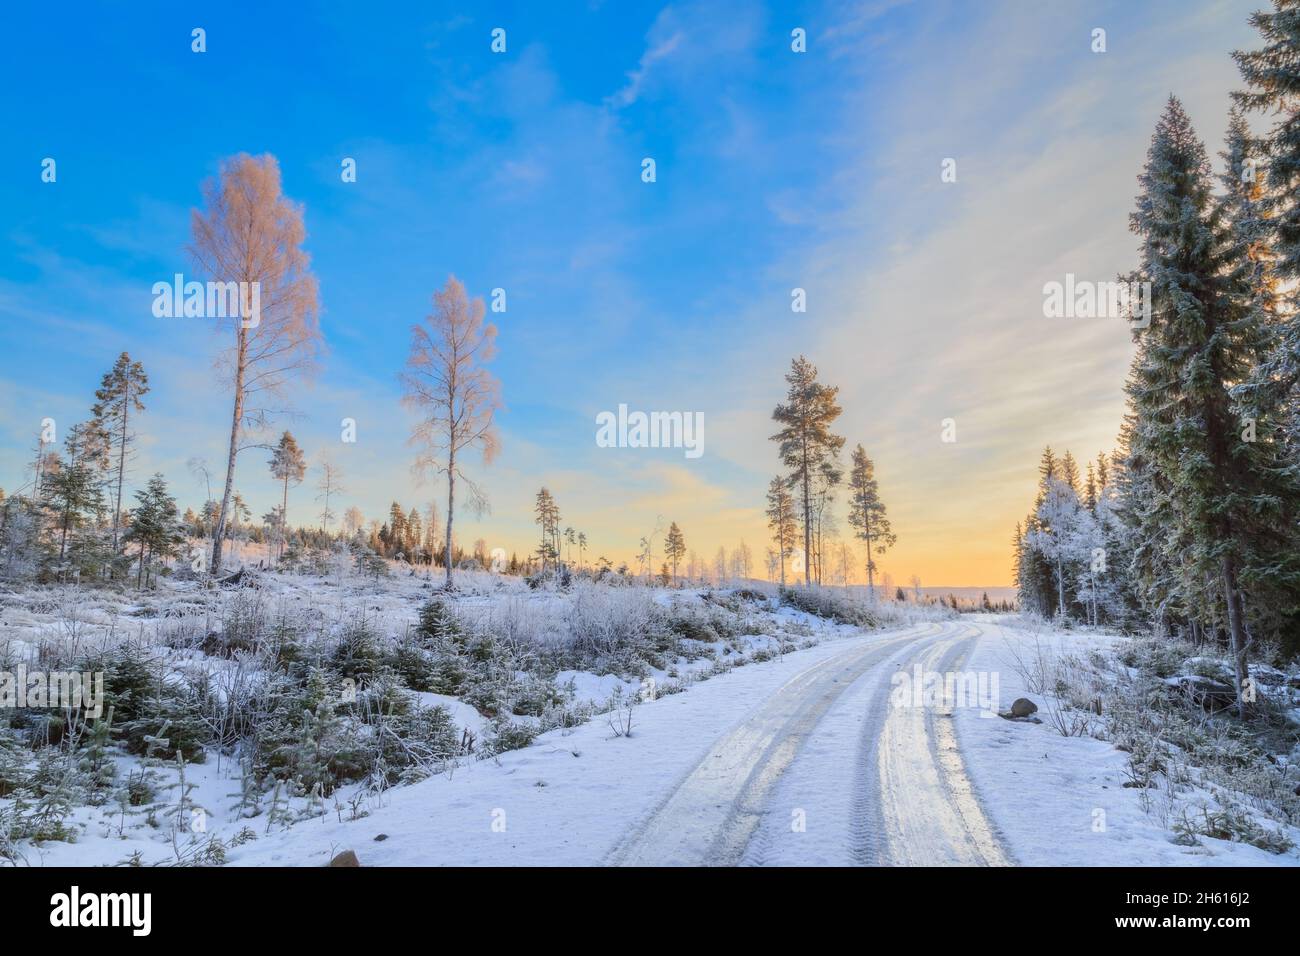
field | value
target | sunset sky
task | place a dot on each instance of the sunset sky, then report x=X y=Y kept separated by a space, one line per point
x=522 y=170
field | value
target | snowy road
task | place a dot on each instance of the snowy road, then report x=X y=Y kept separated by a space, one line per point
x=912 y=802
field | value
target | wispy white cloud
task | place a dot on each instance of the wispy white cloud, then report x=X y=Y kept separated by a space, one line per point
x=636 y=78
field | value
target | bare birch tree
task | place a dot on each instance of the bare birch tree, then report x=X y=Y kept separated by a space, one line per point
x=456 y=397
x=353 y=521
x=251 y=233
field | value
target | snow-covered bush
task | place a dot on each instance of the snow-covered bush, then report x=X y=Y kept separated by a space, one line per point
x=1216 y=774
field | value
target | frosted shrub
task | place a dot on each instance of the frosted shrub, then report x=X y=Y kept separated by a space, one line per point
x=243 y=622
x=609 y=622
x=831 y=605
x=508 y=735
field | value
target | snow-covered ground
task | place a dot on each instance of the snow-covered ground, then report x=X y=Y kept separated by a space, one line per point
x=813 y=745
x=1061 y=800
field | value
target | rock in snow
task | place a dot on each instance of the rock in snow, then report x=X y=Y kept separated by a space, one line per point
x=1023 y=707
x=1210 y=694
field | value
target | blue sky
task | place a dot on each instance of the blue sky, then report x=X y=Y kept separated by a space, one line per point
x=522 y=171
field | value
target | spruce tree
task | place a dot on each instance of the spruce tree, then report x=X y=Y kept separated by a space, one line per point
x=155 y=525
x=1272 y=77
x=396 y=529
x=73 y=491
x=1037 y=575
x=1058 y=536
x=414 y=534
x=1214 y=499
x=1259 y=389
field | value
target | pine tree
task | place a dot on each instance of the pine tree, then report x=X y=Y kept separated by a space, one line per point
x=806 y=441
x=828 y=475
x=867 y=512
x=288 y=464
x=674 y=547
x=117 y=397
x=781 y=519
x=547 y=515
x=239 y=511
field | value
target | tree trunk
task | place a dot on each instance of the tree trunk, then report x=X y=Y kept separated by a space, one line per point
x=1236 y=631
x=821 y=557
x=871 y=577
x=237 y=415
x=807 y=515
x=121 y=465
x=284 y=517
x=40 y=469
x=451 y=505
x=1060 y=586
x=63 y=541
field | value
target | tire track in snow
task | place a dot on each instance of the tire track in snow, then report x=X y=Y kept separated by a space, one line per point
x=713 y=812
x=867 y=819
x=929 y=812
x=947 y=750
